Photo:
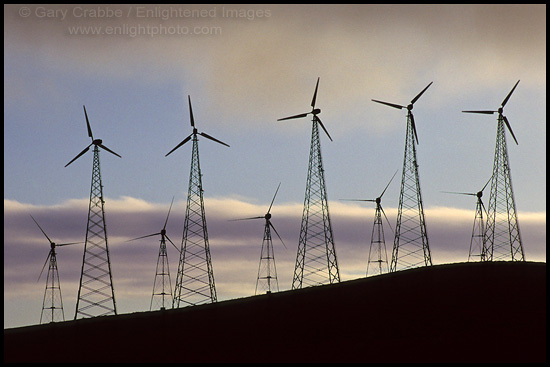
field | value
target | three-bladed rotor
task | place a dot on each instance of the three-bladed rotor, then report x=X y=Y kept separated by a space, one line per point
x=195 y=132
x=499 y=111
x=97 y=142
x=478 y=194
x=409 y=108
x=162 y=232
x=53 y=245
x=314 y=112
x=267 y=217
x=378 y=200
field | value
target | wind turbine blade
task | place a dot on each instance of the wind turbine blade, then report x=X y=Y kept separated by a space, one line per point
x=323 y=126
x=421 y=93
x=486 y=184
x=387 y=220
x=213 y=139
x=389 y=104
x=483 y=112
x=179 y=145
x=460 y=193
x=414 y=127
x=47 y=258
x=315 y=94
x=88 y=124
x=109 y=150
x=509 y=94
x=41 y=229
x=67 y=244
x=358 y=200
x=79 y=154
x=268 y=210
x=234 y=220
x=294 y=117
x=510 y=129
x=172 y=243
x=382 y=194
x=191 y=112
x=168 y=213
x=277 y=233
x=149 y=235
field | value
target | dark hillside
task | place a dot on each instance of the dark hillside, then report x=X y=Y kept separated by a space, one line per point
x=467 y=312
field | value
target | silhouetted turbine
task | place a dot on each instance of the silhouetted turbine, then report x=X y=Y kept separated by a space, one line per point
x=96 y=142
x=409 y=108
x=162 y=263
x=195 y=132
x=162 y=232
x=499 y=111
x=267 y=270
x=478 y=230
x=52 y=281
x=377 y=236
x=314 y=112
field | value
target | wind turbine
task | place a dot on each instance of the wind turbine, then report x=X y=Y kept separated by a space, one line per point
x=163 y=270
x=410 y=246
x=502 y=239
x=195 y=279
x=379 y=256
x=96 y=294
x=267 y=272
x=478 y=230
x=315 y=246
x=52 y=302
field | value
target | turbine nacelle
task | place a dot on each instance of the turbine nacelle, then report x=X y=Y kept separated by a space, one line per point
x=409 y=108
x=314 y=112
x=195 y=131
x=96 y=142
x=500 y=111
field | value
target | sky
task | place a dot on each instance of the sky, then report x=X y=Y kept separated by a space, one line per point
x=244 y=67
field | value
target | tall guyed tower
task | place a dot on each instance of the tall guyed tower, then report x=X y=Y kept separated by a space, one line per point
x=502 y=240
x=410 y=245
x=96 y=294
x=316 y=261
x=195 y=278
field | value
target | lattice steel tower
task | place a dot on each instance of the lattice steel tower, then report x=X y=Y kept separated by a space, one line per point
x=162 y=286
x=96 y=294
x=502 y=240
x=267 y=281
x=316 y=261
x=195 y=279
x=478 y=230
x=52 y=304
x=378 y=257
x=410 y=245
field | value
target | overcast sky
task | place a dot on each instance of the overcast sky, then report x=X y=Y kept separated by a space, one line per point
x=244 y=67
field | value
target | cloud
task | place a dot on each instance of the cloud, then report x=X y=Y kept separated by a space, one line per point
x=235 y=246
x=275 y=60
